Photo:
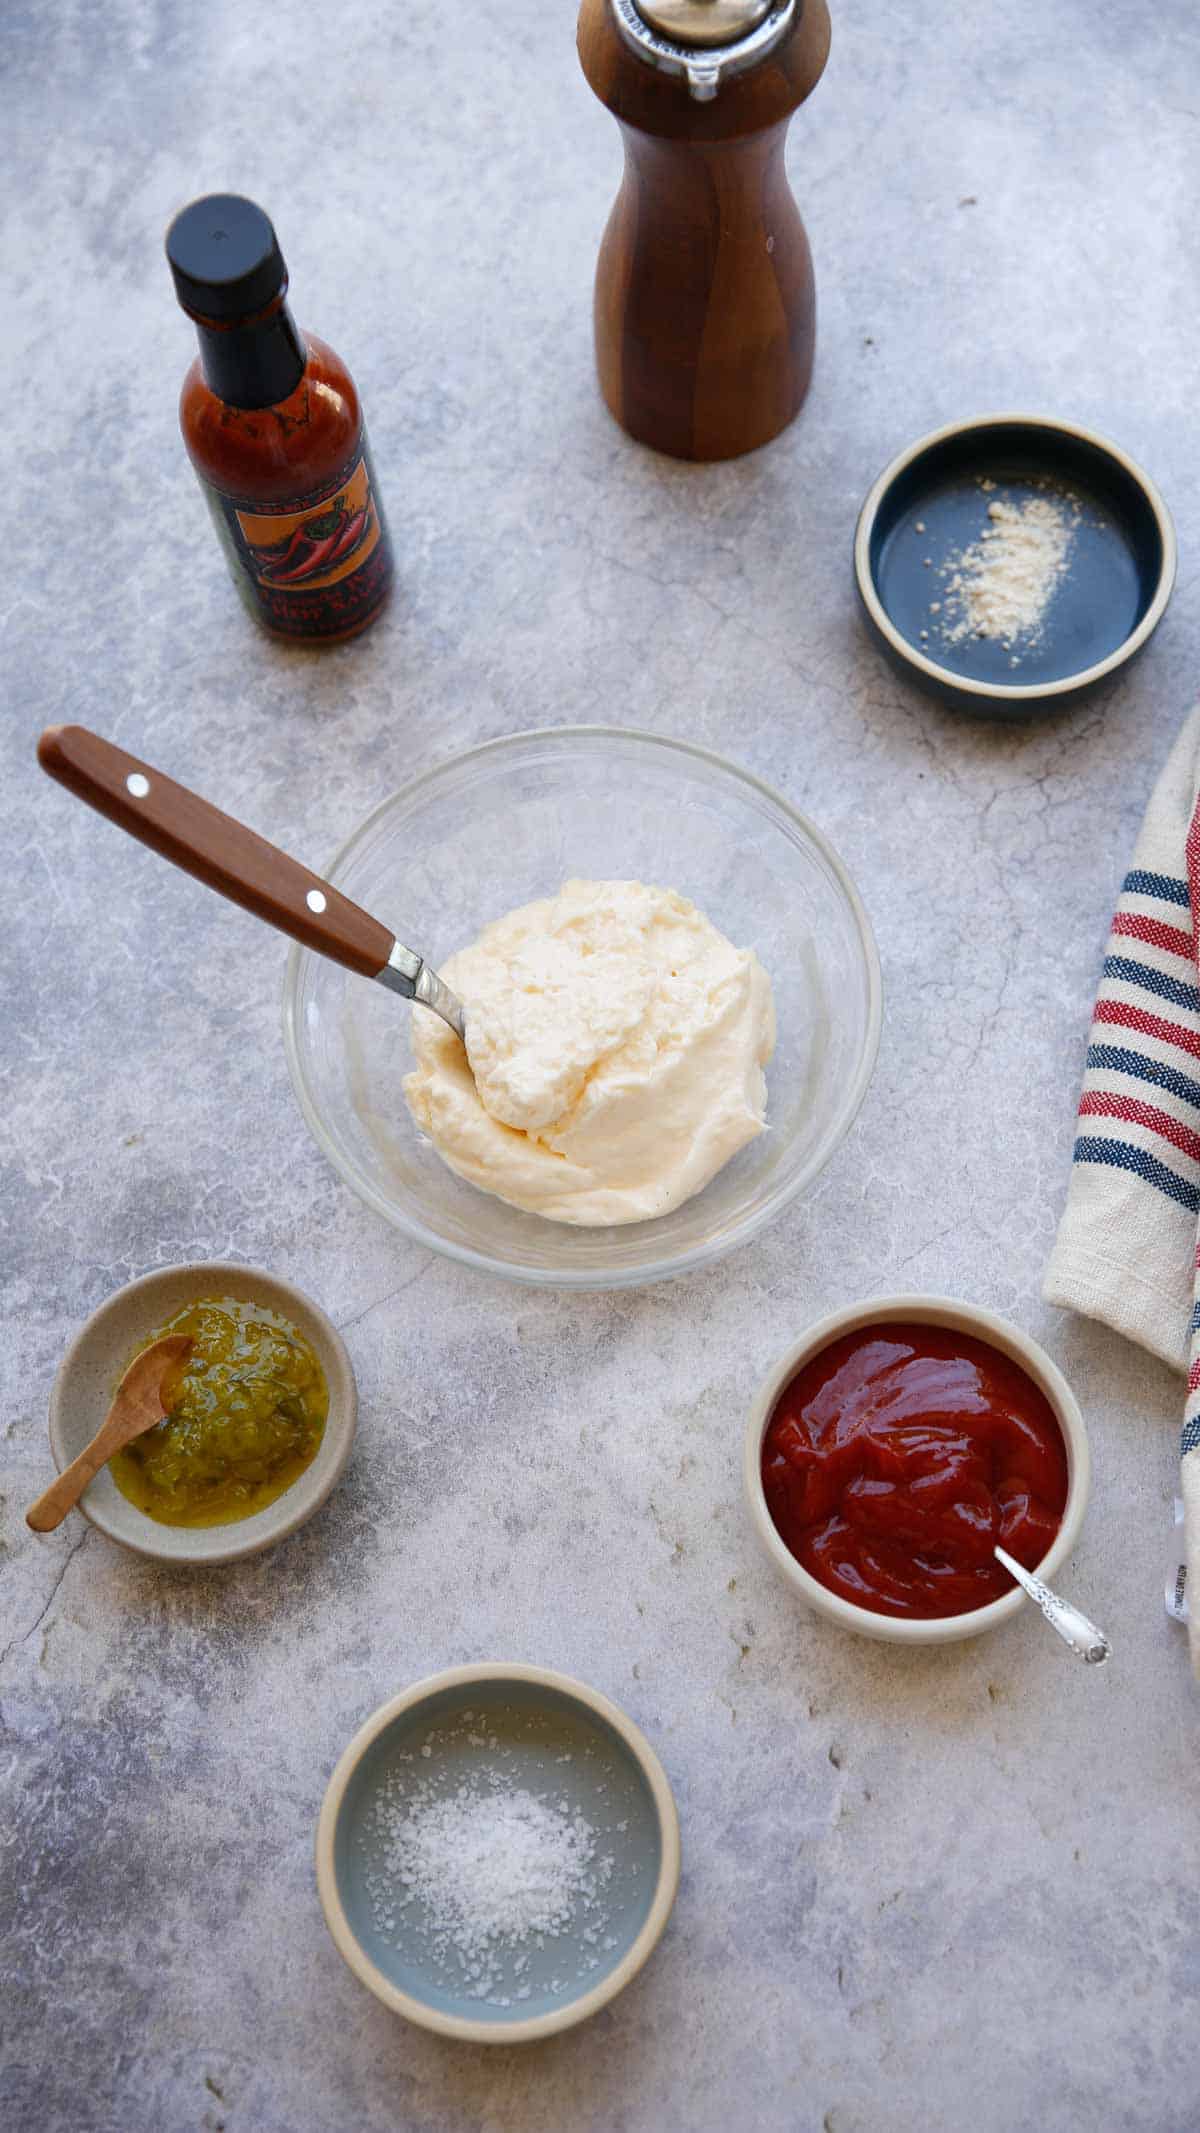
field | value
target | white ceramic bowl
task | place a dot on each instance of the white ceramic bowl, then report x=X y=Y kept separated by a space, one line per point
x=962 y=1318
x=509 y=822
x=92 y=1368
x=486 y=1724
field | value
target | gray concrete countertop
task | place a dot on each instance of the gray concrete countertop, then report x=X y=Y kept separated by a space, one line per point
x=920 y=1892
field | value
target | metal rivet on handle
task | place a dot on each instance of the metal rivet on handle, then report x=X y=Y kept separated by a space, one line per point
x=138 y=784
x=315 y=900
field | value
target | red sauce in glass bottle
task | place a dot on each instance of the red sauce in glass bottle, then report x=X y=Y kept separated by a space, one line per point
x=273 y=427
x=900 y=1455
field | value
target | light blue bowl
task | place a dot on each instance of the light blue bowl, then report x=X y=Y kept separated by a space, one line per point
x=521 y=1727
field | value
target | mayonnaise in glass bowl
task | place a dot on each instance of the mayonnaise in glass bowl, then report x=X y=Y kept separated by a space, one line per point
x=508 y=823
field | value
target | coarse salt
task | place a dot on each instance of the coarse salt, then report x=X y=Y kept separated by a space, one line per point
x=493 y=1868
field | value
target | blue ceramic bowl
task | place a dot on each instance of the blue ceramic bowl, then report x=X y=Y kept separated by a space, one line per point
x=932 y=502
x=513 y=1728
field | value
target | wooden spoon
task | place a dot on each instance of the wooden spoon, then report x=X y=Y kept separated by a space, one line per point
x=137 y=1407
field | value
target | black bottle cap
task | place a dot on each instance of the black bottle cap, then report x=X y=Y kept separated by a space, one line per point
x=225 y=258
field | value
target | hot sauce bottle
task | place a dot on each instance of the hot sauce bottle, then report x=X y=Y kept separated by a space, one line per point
x=273 y=427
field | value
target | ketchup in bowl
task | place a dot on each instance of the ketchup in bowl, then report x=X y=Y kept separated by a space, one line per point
x=900 y=1455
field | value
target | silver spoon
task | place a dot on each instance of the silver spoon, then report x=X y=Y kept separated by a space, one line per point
x=1086 y=1641
x=238 y=863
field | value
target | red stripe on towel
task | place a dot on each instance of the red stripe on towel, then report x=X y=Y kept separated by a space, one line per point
x=1133 y=927
x=1099 y=1103
x=1126 y=1017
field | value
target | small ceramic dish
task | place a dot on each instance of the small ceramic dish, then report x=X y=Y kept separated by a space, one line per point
x=498 y=1728
x=92 y=1367
x=932 y=502
x=961 y=1318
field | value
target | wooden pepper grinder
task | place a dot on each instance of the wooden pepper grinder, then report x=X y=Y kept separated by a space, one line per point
x=705 y=305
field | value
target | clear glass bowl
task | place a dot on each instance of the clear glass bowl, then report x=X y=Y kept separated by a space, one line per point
x=509 y=822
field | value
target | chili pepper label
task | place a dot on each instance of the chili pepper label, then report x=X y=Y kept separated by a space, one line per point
x=315 y=566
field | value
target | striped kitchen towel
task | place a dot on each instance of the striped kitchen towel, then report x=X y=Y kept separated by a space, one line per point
x=1126 y=1250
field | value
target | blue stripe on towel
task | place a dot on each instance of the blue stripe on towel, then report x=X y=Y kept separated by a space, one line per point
x=1164 y=886
x=1122 y=1155
x=1151 y=980
x=1118 y=1059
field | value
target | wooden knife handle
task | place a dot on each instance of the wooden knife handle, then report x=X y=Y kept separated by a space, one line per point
x=230 y=858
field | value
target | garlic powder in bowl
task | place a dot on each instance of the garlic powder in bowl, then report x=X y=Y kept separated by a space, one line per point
x=1013 y=563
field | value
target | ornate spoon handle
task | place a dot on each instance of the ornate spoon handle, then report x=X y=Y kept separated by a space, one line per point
x=1086 y=1641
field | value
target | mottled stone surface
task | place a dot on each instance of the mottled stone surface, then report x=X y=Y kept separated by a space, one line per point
x=919 y=1893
